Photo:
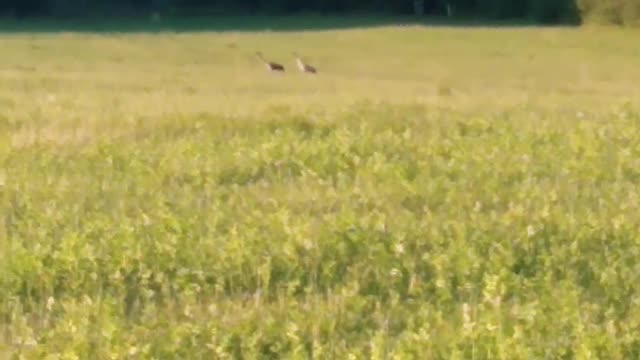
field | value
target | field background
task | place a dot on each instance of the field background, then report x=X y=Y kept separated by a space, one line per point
x=434 y=193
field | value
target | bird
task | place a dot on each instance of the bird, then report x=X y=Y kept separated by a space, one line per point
x=306 y=68
x=272 y=66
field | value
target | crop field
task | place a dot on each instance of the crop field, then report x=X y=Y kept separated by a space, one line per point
x=432 y=193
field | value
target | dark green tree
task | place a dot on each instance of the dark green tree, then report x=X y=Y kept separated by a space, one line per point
x=622 y=12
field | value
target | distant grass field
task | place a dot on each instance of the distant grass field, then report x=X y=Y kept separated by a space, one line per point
x=433 y=193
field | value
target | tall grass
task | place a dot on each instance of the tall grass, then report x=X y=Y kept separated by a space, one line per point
x=432 y=193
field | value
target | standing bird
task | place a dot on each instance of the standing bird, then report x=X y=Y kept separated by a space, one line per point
x=306 y=68
x=270 y=65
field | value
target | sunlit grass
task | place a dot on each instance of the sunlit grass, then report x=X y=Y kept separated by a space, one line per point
x=432 y=193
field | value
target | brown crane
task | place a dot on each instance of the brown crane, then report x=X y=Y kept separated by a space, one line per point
x=306 y=68
x=272 y=66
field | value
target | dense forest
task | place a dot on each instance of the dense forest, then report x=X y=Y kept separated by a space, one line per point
x=622 y=12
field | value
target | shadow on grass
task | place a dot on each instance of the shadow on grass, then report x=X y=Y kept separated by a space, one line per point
x=251 y=23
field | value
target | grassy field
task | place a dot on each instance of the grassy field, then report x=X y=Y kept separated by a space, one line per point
x=433 y=193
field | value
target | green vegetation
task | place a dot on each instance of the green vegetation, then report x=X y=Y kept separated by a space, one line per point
x=618 y=12
x=544 y=10
x=434 y=193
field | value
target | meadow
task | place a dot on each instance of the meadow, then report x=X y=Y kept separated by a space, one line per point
x=433 y=193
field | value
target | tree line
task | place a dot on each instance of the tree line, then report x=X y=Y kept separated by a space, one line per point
x=622 y=12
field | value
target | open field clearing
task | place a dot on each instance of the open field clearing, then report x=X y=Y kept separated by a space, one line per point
x=432 y=193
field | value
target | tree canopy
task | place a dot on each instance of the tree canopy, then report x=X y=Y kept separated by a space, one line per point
x=624 y=12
